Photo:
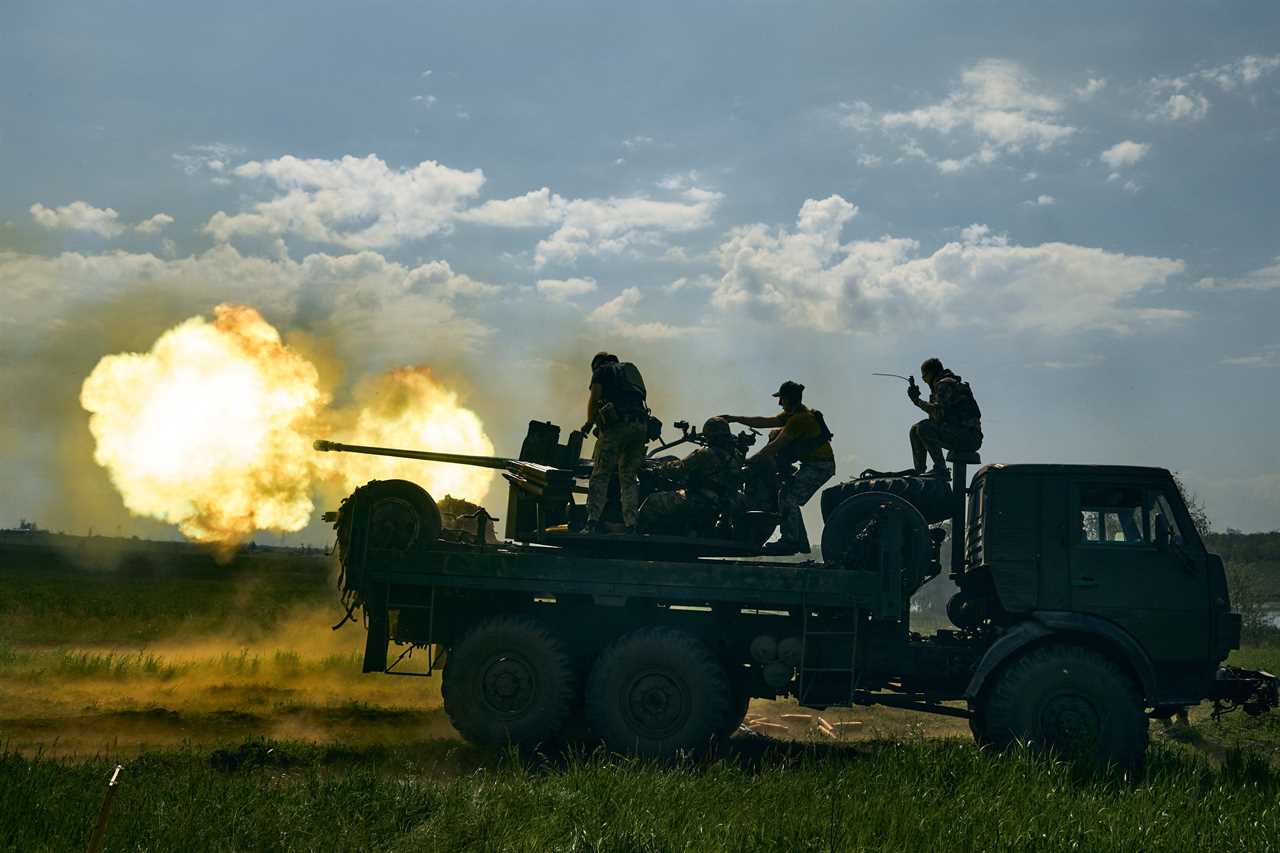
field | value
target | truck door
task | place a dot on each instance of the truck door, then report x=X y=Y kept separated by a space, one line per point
x=1122 y=572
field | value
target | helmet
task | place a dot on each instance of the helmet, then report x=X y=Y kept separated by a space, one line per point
x=716 y=429
x=602 y=357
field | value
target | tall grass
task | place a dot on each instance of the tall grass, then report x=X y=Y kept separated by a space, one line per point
x=906 y=796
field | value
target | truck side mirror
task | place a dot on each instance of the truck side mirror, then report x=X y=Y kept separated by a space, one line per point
x=1162 y=531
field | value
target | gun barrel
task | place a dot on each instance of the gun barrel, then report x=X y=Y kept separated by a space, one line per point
x=497 y=462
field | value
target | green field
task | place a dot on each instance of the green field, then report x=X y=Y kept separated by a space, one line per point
x=242 y=722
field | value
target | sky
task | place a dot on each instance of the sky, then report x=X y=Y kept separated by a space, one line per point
x=1073 y=205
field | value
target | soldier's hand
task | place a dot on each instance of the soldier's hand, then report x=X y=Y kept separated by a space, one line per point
x=586 y=428
x=913 y=393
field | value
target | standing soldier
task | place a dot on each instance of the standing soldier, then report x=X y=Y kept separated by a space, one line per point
x=802 y=437
x=954 y=422
x=618 y=411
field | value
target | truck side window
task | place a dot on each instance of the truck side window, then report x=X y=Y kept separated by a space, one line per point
x=1112 y=515
x=1160 y=508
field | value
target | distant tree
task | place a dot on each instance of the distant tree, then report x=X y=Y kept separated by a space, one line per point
x=1195 y=507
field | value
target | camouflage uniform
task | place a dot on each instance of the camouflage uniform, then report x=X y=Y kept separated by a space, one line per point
x=711 y=478
x=795 y=493
x=619 y=449
x=947 y=426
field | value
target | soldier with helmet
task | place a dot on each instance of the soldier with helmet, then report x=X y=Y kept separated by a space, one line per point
x=801 y=436
x=954 y=422
x=707 y=484
x=618 y=410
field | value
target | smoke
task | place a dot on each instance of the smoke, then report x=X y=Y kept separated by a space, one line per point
x=210 y=429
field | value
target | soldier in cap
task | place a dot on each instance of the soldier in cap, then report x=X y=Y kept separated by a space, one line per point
x=709 y=481
x=954 y=422
x=620 y=415
x=801 y=436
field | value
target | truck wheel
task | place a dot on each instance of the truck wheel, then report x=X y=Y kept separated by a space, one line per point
x=1069 y=699
x=508 y=681
x=655 y=692
x=739 y=702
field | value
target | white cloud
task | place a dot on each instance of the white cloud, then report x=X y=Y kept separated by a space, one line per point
x=537 y=208
x=856 y=115
x=1125 y=154
x=155 y=224
x=870 y=161
x=352 y=202
x=1041 y=200
x=211 y=159
x=612 y=225
x=562 y=289
x=1265 y=278
x=1183 y=107
x=1091 y=88
x=632 y=142
x=427 y=101
x=615 y=316
x=1268 y=356
x=1182 y=98
x=807 y=278
x=996 y=101
x=79 y=216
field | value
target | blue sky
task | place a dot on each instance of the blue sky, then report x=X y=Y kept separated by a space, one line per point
x=1074 y=206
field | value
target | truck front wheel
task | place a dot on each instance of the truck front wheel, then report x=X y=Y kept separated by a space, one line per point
x=1068 y=699
x=508 y=681
x=656 y=692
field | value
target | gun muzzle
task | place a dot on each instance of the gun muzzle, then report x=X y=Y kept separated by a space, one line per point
x=322 y=445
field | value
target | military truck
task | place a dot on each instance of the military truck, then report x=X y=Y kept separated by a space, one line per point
x=1087 y=604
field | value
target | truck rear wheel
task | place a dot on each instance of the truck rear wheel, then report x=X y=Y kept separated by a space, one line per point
x=1069 y=699
x=508 y=681
x=657 y=691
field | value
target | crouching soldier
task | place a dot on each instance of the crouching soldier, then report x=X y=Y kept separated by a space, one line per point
x=954 y=422
x=802 y=436
x=618 y=411
x=708 y=483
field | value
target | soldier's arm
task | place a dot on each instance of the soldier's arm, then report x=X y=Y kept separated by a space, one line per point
x=592 y=403
x=780 y=440
x=752 y=421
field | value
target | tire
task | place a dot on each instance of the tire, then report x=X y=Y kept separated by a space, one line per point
x=656 y=692
x=736 y=710
x=1067 y=699
x=401 y=515
x=508 y=681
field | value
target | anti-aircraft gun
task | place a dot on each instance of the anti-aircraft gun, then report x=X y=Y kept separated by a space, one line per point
x=541 y=507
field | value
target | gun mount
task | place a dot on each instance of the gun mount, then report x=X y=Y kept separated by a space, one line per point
x=541 y=507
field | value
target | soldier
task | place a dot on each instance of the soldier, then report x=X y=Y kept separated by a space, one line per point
x=618 y=411
x=711 y=478
x=954 y=422
x=802 y=437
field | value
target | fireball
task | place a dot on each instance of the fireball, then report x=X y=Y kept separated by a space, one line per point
x=211 y=429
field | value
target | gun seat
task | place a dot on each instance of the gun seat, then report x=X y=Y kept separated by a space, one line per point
x=967 y=457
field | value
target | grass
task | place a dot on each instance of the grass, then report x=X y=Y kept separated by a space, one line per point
x=180 y=674
x=916 y=795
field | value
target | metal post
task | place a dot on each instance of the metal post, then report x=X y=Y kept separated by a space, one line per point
x=959 y=479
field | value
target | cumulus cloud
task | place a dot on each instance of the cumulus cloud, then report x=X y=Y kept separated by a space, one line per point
x=616 y=317
x=155 y=224
x=1125 y=154
x=1182 y=98
x=537 y=208
x=355 y=202
x=808 y=278
x=79 y=216
x=1041 y=200
x=997 y=102
x=562 y=289
x=613 y=225
x=1265 y=278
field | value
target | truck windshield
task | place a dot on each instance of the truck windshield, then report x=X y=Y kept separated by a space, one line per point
x=1111 y=515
